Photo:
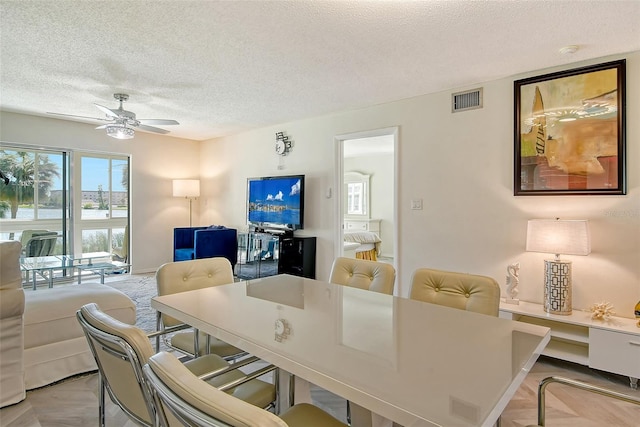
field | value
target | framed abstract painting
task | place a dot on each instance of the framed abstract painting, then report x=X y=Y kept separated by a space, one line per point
x=570 y=132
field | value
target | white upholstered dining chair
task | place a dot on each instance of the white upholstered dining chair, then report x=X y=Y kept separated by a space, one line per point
x=364 y=274
x=120 y=351
x=181 y=276
x=183 y=398
x=471 y=292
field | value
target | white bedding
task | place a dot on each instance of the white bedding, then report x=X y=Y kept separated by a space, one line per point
x=351 y=246
x=366 y=241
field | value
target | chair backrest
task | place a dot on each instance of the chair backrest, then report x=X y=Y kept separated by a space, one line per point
x=28 y=234
x=122 y=252
x=216 y=242
x=179 y=393
x=41 y=243
x=184 y=237
x=181 y=276
x=120 y=350
x=358 y=273
x=469 y=292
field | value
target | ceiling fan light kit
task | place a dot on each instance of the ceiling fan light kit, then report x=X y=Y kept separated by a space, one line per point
x=120 y=132
x=123 y=122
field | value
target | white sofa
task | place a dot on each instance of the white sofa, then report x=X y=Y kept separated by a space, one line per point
x=41 y=341
x=54 y=344
x=12 y=388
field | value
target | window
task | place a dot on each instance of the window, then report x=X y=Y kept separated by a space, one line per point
x=38 y=197
x=103 y=206
x=34 y=197
x=356 y=194
x=354 y=198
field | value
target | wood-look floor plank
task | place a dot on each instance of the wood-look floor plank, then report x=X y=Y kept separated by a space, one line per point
x=74 y=402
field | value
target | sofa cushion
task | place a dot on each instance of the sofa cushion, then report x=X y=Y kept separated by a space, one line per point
x=183 y=254
x=50 y=314
x=54 y=344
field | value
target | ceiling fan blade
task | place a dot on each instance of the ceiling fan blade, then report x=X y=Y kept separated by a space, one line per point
x=151 y=129
x=80 y=117
x=160 y=122
x=107 y=111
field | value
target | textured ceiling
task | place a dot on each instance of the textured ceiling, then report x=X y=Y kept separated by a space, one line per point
x=220 y=67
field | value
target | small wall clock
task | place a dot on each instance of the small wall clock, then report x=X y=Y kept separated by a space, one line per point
x=283 y=145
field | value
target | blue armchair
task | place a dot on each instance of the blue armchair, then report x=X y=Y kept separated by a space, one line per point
x=205 y=242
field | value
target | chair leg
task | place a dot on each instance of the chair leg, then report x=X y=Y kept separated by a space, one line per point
x=101 y=392
x=158 y=329
x=196 y=343
x=207 y=344
x=292 y=390
x=276 y=382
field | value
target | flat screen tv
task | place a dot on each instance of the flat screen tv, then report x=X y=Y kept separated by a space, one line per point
x=276 y=202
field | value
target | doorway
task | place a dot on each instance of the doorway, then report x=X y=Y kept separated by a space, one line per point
x=366 y=193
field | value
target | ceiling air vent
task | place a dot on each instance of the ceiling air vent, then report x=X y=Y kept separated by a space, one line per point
x=467 y=100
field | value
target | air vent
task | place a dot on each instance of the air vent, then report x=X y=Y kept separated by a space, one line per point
x=467 y=100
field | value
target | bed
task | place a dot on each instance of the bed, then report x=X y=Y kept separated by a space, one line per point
x=365 y=244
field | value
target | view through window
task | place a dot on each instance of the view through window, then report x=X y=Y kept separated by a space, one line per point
x=37 y=202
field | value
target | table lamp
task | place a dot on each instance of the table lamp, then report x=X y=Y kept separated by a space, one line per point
x=187 y=188
x=556 y=236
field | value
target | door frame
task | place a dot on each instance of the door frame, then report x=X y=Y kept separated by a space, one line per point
x=339 y=185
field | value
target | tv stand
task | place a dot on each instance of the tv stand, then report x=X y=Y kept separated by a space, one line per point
x=297 y=256
x=266 y=252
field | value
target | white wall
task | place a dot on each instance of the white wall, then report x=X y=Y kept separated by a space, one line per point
x=155 y=161
x=470 y=222
x=461 y=165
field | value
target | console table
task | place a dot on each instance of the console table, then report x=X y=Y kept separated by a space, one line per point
x=258 y=255
x=263 y=254
x=611 y=345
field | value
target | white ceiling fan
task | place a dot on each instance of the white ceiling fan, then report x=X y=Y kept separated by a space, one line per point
x=123 y=122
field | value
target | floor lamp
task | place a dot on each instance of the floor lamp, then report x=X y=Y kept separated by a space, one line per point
x=187 y=188
x=556 y=236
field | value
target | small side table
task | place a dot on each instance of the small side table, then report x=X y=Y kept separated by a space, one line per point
x=100 y=268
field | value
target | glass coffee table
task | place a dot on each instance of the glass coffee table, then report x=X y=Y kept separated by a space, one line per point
x=45 y=266
x=101 y=268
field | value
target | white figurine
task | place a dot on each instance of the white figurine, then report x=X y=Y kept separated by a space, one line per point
x=513 y=270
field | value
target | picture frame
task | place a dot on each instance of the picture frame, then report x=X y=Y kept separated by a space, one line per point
x=569 y=132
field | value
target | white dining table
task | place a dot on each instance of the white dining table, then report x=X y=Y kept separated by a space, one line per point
x=411 y=362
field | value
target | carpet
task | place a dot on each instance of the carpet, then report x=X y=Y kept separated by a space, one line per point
x=140 y=288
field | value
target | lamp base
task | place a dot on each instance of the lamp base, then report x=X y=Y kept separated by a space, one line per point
x=557 y=287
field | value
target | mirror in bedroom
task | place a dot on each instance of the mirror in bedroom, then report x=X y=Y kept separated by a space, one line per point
x=368 y=186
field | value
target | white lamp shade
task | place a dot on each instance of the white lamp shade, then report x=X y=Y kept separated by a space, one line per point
x=555 y=236
x=186 y=188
